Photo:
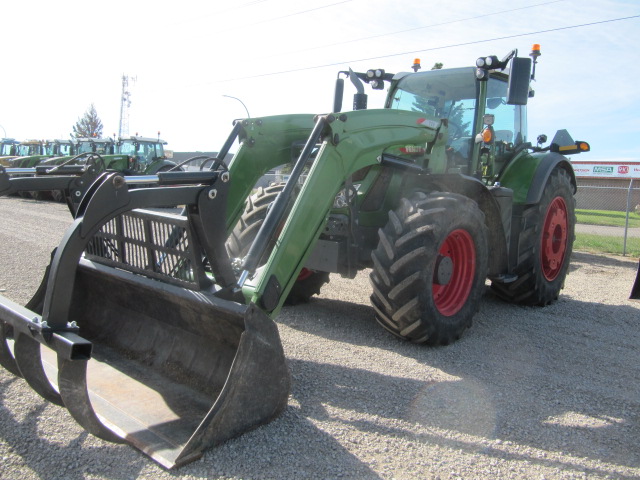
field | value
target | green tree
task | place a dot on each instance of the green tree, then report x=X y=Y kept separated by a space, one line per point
x=89 y=125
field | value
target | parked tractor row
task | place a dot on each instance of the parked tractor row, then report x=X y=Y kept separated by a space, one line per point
x=131 y=155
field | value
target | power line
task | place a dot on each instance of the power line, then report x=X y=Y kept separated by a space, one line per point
x=273 y=19
x=299 y=13
x=427 y=49
x=217 y=12
x=413 y=29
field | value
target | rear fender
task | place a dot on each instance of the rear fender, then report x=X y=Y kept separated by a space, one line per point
x=157 y=166
x=528 y=173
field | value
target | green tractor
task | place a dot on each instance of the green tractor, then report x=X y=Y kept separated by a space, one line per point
x=59 y=148
x=28 y=154
x=141 y=155
x=52 y=149
x=434 y=193
x=133 y=155
x=33 y=152
x=78 y=146
x=7 y=150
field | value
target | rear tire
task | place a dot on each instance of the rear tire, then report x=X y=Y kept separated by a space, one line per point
x=545 y=245
x=429 y=268
x=309 y=281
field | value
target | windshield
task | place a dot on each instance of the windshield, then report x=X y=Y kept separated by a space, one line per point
x=28 y=150
x=144 y=151
x=443 y=94
x=85 y=147
x=6 y=149
x=127 y=147
x=452 y=94
x=64 y=149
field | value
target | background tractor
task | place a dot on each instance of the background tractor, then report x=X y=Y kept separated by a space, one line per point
x=28 y=154
x=7 y=150
x=435 y=193
x=131 y=155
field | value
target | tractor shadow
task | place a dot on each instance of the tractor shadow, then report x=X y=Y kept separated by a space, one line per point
x=527 y=376
x=43 y=453
x=48 y=458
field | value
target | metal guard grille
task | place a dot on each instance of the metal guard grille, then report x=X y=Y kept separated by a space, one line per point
x=153 y=244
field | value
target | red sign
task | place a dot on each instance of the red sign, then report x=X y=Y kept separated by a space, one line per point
x=623 y=169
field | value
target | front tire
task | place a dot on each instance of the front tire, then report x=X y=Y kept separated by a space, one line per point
x=429 y=268
x=545 y=245
x=58 y=196
x=309 y=281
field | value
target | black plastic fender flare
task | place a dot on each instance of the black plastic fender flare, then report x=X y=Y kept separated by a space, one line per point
x=547 y=164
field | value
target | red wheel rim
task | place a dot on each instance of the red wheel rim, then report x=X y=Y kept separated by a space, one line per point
x=304 y=274
x=459 y=249
x=554 y=239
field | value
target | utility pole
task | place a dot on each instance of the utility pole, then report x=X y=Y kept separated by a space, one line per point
x=125 y=103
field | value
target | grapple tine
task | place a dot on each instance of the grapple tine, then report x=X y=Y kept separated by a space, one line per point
x=72 y=380
x=152 y=347
x=29 y=360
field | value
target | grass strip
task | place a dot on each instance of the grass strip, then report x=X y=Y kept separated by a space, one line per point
x=587 y=242
x=607 y=217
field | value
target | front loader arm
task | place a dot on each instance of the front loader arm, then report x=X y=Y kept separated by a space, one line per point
x=349 y=143
x=265 y=144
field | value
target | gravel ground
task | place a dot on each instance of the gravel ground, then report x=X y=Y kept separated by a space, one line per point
x=527 y=392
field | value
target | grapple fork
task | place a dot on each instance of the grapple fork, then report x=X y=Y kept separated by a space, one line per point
x=147 y=344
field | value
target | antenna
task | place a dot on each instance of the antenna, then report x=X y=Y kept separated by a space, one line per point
x=125 y=103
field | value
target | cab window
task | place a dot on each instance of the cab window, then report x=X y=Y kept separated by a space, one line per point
x=449 y=94
x=509 y=124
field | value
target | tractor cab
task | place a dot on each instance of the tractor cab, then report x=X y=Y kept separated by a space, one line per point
x=143 y=152
x=101 y=146
x=7 y=150
x=59 y=148
x=453 y=95
x=29 y=148
x=28 y=154
x=482 y=111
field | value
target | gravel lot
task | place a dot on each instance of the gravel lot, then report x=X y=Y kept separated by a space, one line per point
x=527 y=392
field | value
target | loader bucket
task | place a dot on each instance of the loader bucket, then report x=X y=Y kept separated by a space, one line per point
x=134 y=342
x=173 y=372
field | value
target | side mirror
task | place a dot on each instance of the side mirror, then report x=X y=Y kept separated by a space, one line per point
x=519 y=79
x=338 y=95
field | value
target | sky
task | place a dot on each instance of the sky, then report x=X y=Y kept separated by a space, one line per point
x=184 y=60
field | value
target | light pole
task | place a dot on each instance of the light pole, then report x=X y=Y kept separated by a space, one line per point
x=245 y=107
x=5 y=132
